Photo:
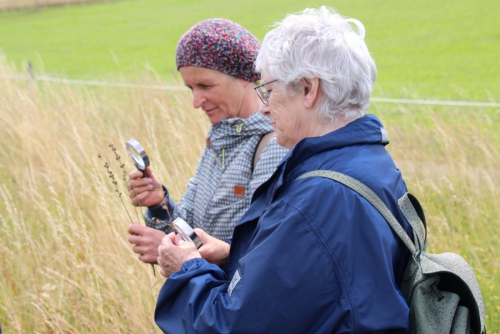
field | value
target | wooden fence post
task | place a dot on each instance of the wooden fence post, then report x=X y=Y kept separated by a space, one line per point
x=31 y=80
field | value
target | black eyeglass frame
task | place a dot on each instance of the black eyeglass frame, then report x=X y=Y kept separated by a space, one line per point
x=263 y=94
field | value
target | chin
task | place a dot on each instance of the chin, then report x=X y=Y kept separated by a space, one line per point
x=214 y=120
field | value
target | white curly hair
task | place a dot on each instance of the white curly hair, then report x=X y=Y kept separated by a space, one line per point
x=321 y=43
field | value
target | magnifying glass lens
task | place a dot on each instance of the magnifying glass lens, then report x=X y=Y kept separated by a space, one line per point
x=138 y=155
x=139 y=162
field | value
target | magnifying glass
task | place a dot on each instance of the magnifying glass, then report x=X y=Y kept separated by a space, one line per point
x=138 y=155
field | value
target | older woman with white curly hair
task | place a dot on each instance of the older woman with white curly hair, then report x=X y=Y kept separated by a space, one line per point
x=310 y=255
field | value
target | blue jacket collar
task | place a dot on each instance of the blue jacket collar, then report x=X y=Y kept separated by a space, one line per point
x=365 y=130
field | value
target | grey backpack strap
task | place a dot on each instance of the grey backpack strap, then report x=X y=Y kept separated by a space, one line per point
x=413 y=212
x=370 y=196
x=264 y=140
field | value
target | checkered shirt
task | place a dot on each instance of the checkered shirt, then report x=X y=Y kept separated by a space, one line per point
x=211 y=202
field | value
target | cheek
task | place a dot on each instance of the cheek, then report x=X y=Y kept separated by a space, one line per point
x=210 y=97
x=221 y=101
x=280 y=117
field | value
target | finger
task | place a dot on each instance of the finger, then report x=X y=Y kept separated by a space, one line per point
x=139 y=199
x=138 y=190
x=199 y=232
x=139 y=249
x=202 y=235
x=136 y=229
x=134 y=200
x=146 y=249
x=170 y=237
x=147 y=258
x=136 y=174
x=177 y=240
x=135 y=240
x=139 y=183
x=150 y=252
x=146 y=254
x=132 y=192
x=143 y=195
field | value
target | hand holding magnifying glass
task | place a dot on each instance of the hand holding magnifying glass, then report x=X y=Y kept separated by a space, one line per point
x=145 y=188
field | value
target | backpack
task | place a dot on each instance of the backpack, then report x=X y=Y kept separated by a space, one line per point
x=441 y=289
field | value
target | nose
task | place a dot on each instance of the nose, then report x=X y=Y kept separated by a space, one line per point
x=198 y=98
x=265 y=110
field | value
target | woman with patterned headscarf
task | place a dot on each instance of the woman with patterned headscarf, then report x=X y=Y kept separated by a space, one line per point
x=216 y=61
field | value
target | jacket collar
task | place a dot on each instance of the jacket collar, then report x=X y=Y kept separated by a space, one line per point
x=365 y=130
x=237 y=129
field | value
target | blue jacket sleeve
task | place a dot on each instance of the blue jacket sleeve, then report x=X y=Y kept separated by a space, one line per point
x=184 y=296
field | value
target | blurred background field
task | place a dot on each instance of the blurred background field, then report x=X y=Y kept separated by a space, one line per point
x=66 y=266
x=14 y=5
x=445 y=49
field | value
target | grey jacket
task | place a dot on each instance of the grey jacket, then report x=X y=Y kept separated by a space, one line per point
x=221 y=190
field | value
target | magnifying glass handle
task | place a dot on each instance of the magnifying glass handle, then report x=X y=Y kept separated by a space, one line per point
x=143 y=173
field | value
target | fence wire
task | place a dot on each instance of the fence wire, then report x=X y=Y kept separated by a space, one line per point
x=165 y=87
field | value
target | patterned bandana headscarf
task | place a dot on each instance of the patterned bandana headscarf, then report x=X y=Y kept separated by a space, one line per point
x=221 y=45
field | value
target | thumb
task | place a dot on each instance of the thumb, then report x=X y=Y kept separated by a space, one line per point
x=178 y=239
x=149 y=172
x=204 y=236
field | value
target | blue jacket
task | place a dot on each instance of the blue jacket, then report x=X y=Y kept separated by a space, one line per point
x=310 y=255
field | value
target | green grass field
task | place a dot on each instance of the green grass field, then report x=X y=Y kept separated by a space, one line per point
x=426 y=49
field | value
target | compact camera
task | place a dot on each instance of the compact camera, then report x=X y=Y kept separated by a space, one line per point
x=186 y=232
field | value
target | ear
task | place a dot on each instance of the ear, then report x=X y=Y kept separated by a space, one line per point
x=310 y=91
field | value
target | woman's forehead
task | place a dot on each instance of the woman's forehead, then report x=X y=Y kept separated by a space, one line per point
x=194 y=74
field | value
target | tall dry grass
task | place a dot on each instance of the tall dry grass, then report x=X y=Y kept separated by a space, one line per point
x=450 y=159
x=66 y=266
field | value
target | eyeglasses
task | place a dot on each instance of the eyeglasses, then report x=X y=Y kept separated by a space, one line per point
x=263 y=93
